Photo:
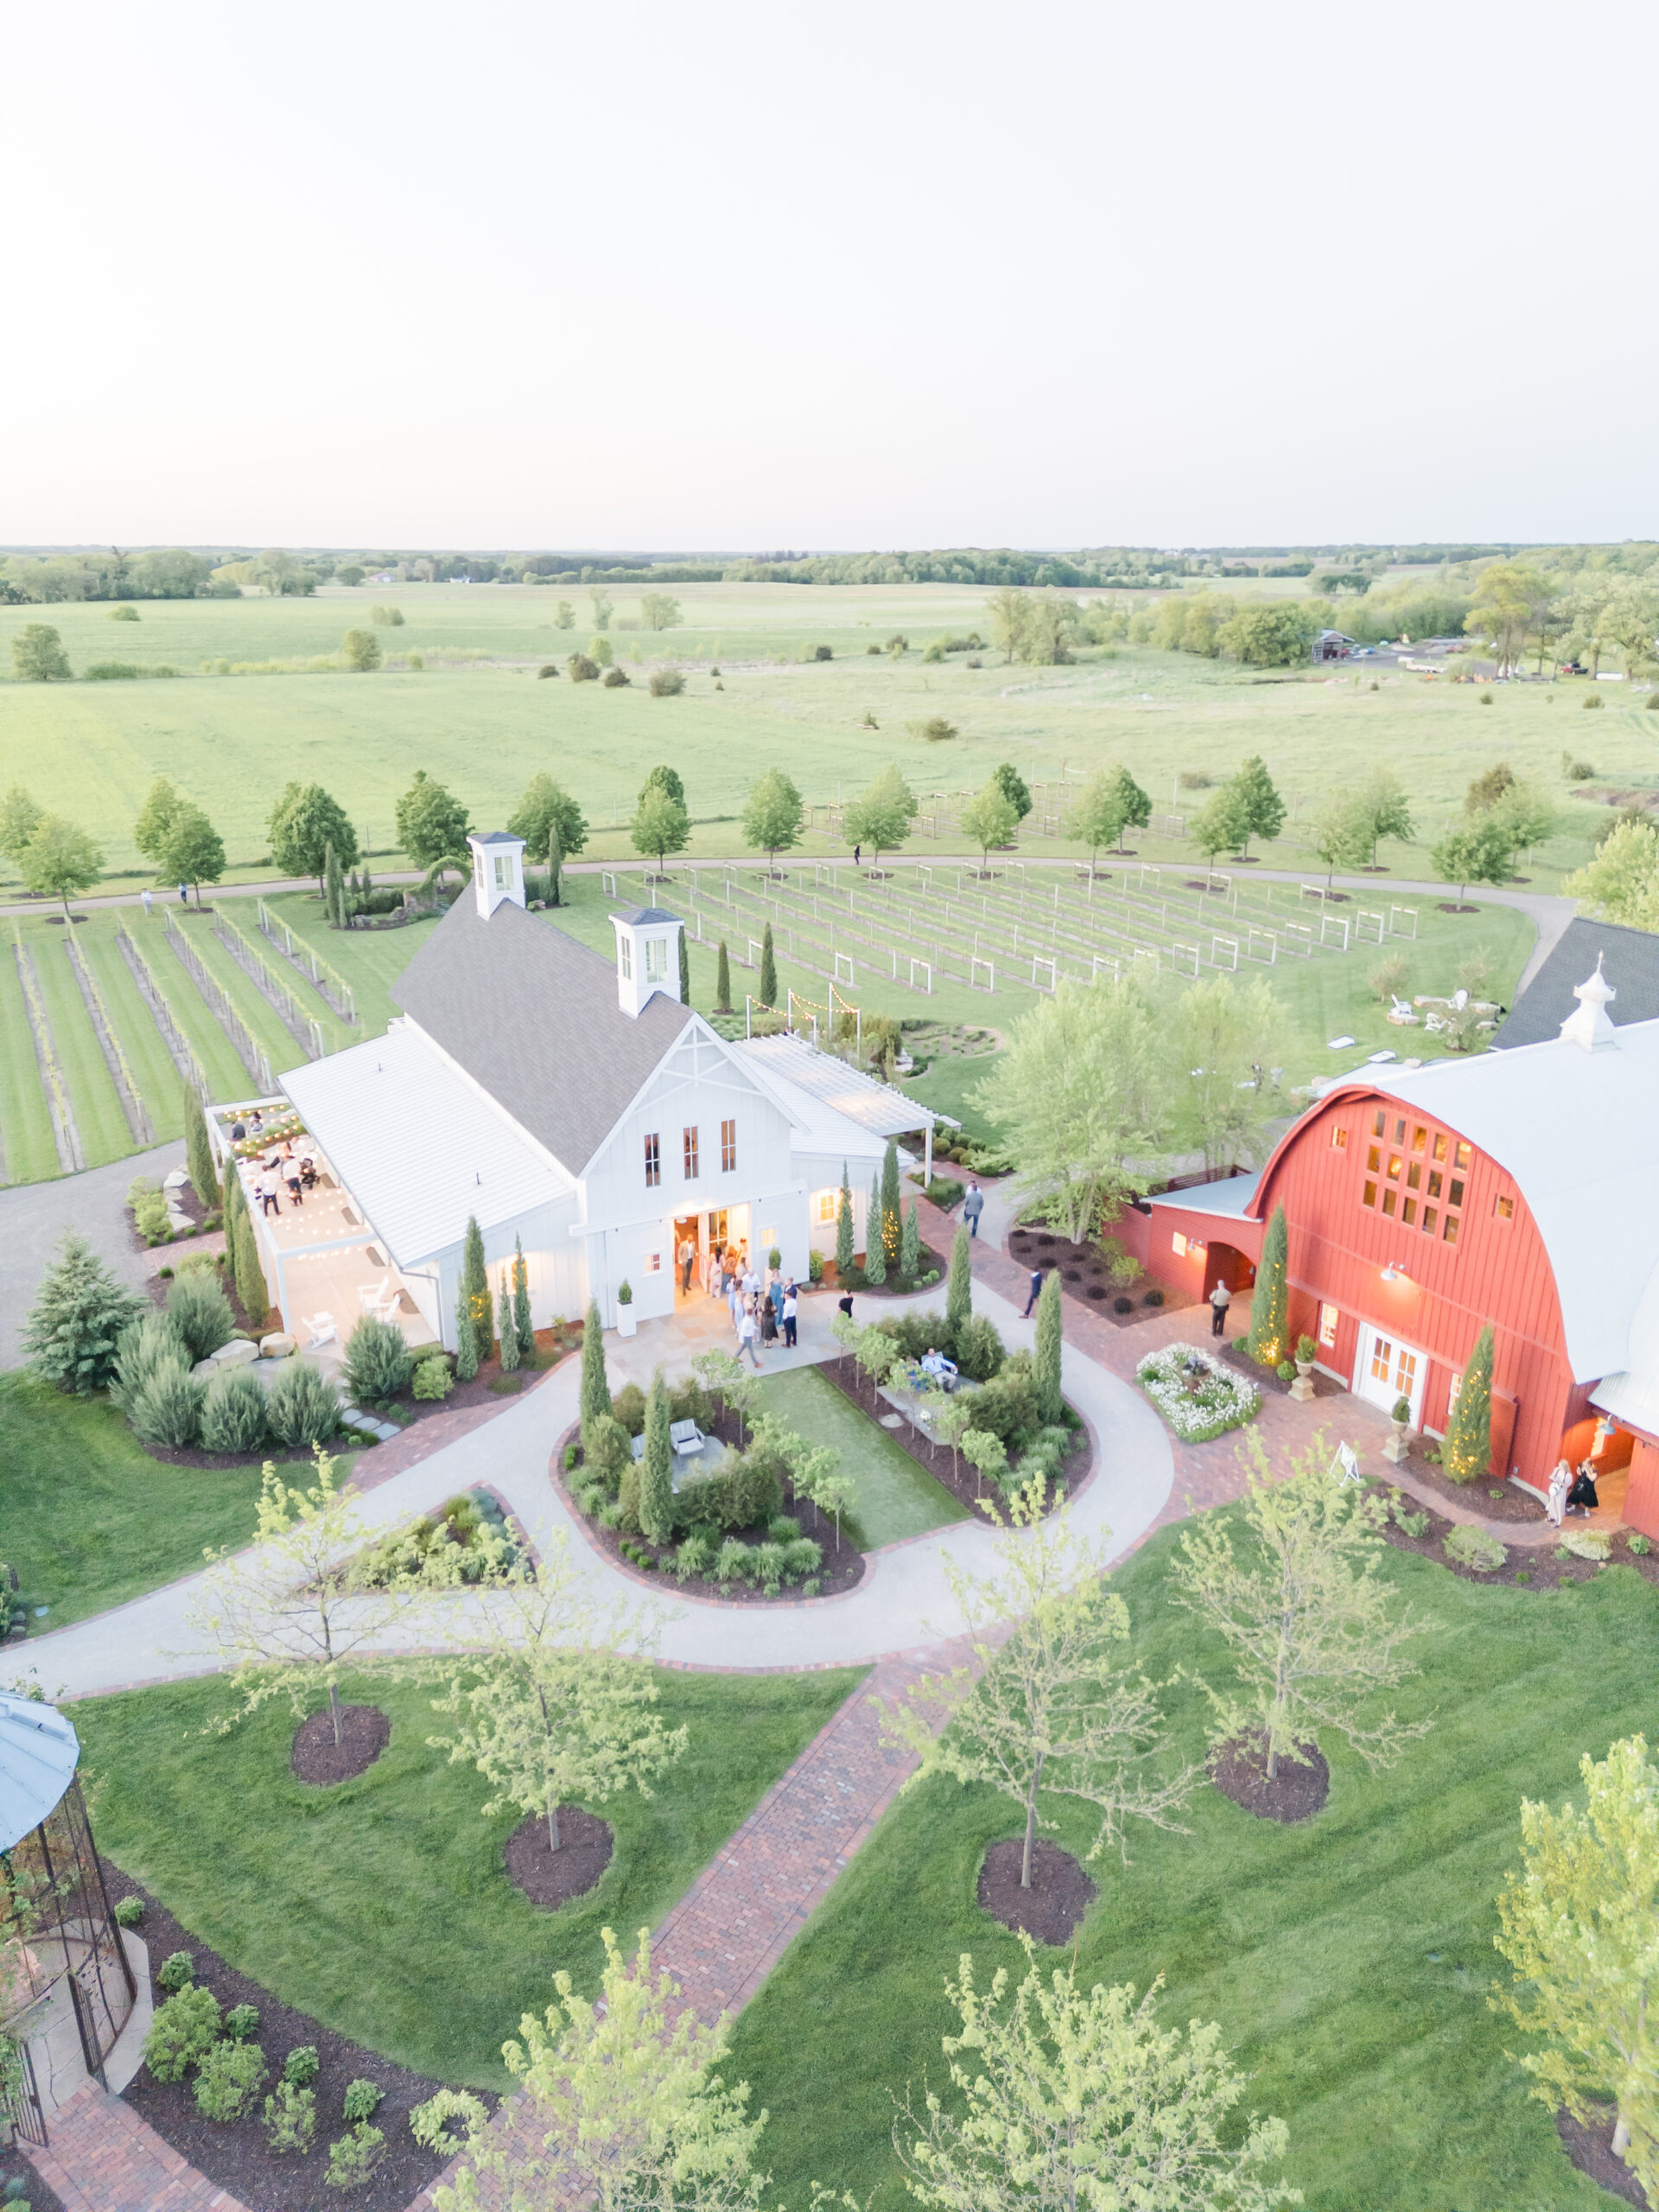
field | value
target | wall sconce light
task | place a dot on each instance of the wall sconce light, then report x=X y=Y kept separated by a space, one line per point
x=1196 y=1247
x=1395 y=1273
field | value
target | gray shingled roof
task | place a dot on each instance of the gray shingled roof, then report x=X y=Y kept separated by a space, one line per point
x=1629 y=960
x=533 y=1017
x=635 y=914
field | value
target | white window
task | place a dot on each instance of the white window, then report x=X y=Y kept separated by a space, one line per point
x=627 y=945
x=1177 y=1245
x=478 y=869
x=503 y=872
x=1328 y=1319
x=656 y=960
x=826 y=1208
x=653 y=1263
x=1454 y=1393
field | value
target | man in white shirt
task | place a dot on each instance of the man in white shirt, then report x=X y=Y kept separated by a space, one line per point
x=745 y=1342
x=791 y=1294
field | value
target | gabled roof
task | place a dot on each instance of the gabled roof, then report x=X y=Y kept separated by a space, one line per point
x=1630 y=960
x=1579 y=1133
x=417 y=1148
x=532 y=1016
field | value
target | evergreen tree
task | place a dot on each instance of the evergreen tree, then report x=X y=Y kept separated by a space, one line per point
x=595 y=1398
x=199 y=1149
x=844 y=1232
x=656 y=1484
x=507 y=1328
x=768 y=969
x=1046 y=1368
x=892 y=1225
x=76 y=1321
x=555 y=867
x=959 y=1288
x=466 y=1336
x=521 y=1321
x=723 y=982
x=241 y=1243
x=875 y=1256
x=1467 y=1450
x=1269 y=1337
x=686 y=969
x=475 y=1276
x=910 y=1247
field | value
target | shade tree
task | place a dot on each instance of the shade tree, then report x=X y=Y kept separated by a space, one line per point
x=163 y=803
x=547 y=812
x=431 y=822
x=990 y=818
x=1225 y=1047
x=1483 y=852
x=37 y=655
x=881 y=815
x=660 y=824
x=192 y=851
x=20 y=817
x=60 y=861
x=303 y=825
x=773 y=816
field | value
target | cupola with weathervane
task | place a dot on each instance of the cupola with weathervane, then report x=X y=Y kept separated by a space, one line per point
x=1589 y=1027
x=647 y=956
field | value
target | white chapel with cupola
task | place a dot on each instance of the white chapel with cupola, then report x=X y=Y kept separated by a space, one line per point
x=573 y=1104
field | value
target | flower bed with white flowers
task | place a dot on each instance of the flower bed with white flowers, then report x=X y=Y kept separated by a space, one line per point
x=1196 y=1396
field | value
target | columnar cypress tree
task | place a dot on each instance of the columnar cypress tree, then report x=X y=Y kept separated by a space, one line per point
x=595 y=1398
x=475 y=1278
x=1269 y=1339
x=1045 y=1367
x=1467 y=1452
x=892 y=1225
x=199 y=1149
x=466 y=1335
x=333 y=889
x=723 y=982
x=844 y=1232
x=507 y=1328
x=685 y=971
x=768 y=969
x=910 y=1247
x=959 y=1288
x=242 y=1246
x=368 y=884
x=555 y=867
x=656 y=1485
x=521 y=1322
x=876 y=1253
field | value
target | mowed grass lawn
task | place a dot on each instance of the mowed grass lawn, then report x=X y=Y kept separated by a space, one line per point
x=895 y=1498
x=88 y=1518
x=382 y=1905
x=1348 y=1960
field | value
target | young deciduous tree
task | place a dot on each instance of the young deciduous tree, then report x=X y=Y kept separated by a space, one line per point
x=1382 y=804
x=603 y=609
x=291 y=1615
x=1096 y=815
x=1315 y=1634
x=546 y=810
x=550 y=1709
x=1007 y=610
x=432 y=824
x=1260 y=809
x=880 y=816
x=990 y=818
x=1013 y=788
x=1076 y=1097
x=305 y=821
x=1580 y=1925
x=76 y=1321
x=361 y=651
x=659 y=610
x=1484 y=852
x=59 y=860
x=657 y=1469
x=155 y=817
x=1223 y=1045
x=1070 y=2099
x=772 y=817
x=1048 y=1710
x=660 y=823
x=1621 y=884
x=844 y=1231
x=618 y=2106
x=1342 y=834
x=1219 y=825
x=877 y=1354
x=193 y=851
x=19 y=819
x=1467 y=1452
x=985 y=1452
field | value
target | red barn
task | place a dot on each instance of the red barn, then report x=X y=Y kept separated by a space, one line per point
x=1520 y=1188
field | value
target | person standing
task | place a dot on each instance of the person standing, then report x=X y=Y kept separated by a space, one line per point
x=149 y=902
x=687 y=1261
x=857 y=849
x=1036 y=1292
x=972 y=1206
x=745 y=1336
x=792 y=1293
x=184 y=895
x=1220 y=1298
x=268 y=1192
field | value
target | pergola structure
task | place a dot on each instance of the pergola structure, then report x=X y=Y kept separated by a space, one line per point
x=67 y=1985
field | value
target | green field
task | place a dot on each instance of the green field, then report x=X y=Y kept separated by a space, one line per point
x=1348 y=1960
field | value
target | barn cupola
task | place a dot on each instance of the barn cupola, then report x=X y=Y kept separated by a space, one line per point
x=647 y=956
x=1589 y=1027
x=498 y=870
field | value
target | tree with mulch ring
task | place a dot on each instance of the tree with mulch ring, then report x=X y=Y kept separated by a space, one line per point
x=1296 y=1790
x=550 y=1877
x=321 y=1758
x=1048 y=1713
x=1051 y=1907
x=1315 y=1635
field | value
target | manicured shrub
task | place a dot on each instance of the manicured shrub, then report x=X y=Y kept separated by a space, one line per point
x=182 y=2032
x=1641 y=1546
x=302 y=1406
x=228 y=2080
x=145 y=1347
x=1581 y=1543
x=291 y=2118
x=167 y=1410
x=433 y=1379
x=629 y=1407
x=198 y=1310
x=378 y=1364
x=177 y=1971
x=607 y=1453
x=1473 y=1547
x=1286 y=1370
x=978 y=1349
x=301 y=2065
x=131 y=1911
x=1122 y=1306
x=694 y=1556
x=242 y=2023
x=233 y=1413
x=352 y=2159
x=445 y=2120
x=362 y=2098
x=802 y=1556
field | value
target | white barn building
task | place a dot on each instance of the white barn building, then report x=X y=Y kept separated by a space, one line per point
x=576 y=1105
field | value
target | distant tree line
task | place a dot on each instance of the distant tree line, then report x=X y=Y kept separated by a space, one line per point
x=26 y=581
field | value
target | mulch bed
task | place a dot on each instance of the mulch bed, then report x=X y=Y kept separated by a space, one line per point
x=1591 y=2150
x=1059 y=1894
x=186 y=1200
x=1239 y=1770
x=1268 y=1378
x=233 y=2153
x=1492 y=1499
x=838 y=1571
x=552 y=1877
x=930 y=1264
x=964 y=1485
x=1450 y=906
x=1083 y=1277
x=15 y=2166
x=1529 y=1567
x=315 y=1758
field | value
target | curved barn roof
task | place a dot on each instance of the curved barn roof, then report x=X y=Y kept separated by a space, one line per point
x=38 y=1751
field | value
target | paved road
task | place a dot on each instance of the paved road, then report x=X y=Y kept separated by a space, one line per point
x=34 y=1216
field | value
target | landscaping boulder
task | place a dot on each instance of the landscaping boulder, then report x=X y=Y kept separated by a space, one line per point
x=180 y=1223
x=175 y=1181
x=237 y=1353
x=277 y=1346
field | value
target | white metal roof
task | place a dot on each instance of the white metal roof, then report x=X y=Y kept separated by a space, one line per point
x=1227 y=1198
x=816 y=1127
x=875 y=1107
x=1633 y=1394
x=417 y=1148
x=38 y=1751
x=1579 y=1132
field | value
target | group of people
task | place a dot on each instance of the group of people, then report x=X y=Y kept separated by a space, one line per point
x=761 y=1314
x=297 y=1170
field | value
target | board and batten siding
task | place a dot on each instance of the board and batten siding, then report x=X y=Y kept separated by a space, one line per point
x=555 y=1268
x=1497 y=1272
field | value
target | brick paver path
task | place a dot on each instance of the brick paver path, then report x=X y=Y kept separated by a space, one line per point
x=102 y=2157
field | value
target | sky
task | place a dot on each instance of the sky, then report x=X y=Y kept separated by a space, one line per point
x=749 y=277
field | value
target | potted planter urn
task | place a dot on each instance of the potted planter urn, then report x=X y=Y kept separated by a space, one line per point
x=626 y=1324
x=1302 y=1388
x=1397 y=1450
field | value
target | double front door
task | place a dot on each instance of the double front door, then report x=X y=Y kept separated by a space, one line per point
x=1386 y=1369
